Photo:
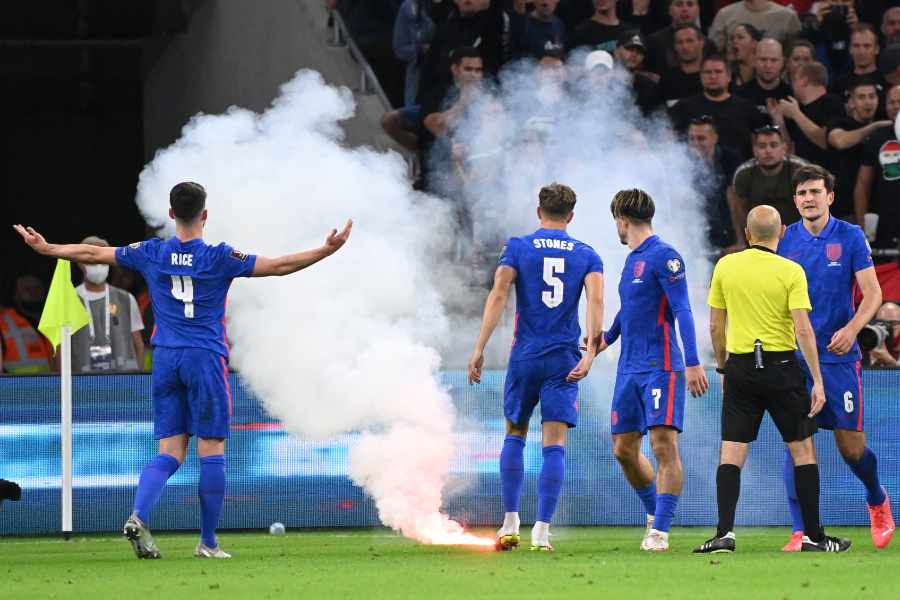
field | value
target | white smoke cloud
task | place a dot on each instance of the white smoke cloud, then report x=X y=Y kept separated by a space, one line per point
x=352 y=344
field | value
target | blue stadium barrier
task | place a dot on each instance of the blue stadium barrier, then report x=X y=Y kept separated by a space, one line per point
x=274 y=477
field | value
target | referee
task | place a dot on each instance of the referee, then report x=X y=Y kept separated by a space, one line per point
x=764 y=298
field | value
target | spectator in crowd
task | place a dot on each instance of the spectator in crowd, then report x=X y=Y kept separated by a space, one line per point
x=602 y=31
x=808 y=110
x=887 y=353
x=889 y=65
x=683 y=80
x=767 y=87
x=112 y=340
x=878 y=181
x=829 y=31
x=574 y=12
x=630 y=53
x=661 y=53
x=25 y=351
x=846 y=136
x=478 y=24
x=801 y=53
x=776 y=21
x=767 y=178
x=864 y=51
x=718 y=165
x=539 y=30
x=413 y=32
x=890 y=26
x=742 y=52
x=735 y=117
x=646 y=15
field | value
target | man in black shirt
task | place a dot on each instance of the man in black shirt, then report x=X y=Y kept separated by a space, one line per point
x=661 y=52
x=864 y=51
x=601 y=31
x=717 y=167
x=846 y=137
x=683 y=80
x=808 y=110
x=533 y=33
x=767 y=87
x=878 y=181
x=735 y=117
x=630 y=54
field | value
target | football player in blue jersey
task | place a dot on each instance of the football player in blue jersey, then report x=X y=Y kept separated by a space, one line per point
x=188 y=281
x=835 y=254
x=549 y=270
x=650 y=379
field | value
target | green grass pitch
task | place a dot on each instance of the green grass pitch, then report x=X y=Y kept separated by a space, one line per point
x=589 y=562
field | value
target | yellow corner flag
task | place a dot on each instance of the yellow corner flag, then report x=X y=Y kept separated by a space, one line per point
x=63 y=307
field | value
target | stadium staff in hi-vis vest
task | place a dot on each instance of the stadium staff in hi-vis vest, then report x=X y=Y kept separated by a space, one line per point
x=23 y=350
x=765 y=301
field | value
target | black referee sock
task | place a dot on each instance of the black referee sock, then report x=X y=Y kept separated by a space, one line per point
x=728 y=488
x=806 y=478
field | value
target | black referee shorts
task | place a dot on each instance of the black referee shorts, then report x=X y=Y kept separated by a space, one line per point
x=779 y=387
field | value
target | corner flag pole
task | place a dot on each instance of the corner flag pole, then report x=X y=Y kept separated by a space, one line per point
x=65 y=383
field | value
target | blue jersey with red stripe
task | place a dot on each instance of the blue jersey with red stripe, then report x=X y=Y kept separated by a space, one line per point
x=830 y=261
x=188 y=284
x=652 y=290
x=550 y=271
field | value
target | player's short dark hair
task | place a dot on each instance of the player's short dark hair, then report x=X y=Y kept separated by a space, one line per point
x=815 y=72
x=862 y=82
x=691 y=26
x=457 y=55
x=187 y=199
x=634 y=204
x=813 y=173
x=557 y=200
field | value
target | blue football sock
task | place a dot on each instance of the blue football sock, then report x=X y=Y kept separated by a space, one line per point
x=153 y=479
x=553 y=473
x=212 y=497
x=665 y=511
x=790 y=487
x=866 y=469
x=648 y=497
x=512 y=472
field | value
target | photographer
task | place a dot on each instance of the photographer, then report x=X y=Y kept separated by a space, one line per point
x=881 y=338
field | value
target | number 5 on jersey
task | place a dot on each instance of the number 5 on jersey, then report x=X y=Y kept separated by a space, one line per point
x=552 y=266
x=183 y=289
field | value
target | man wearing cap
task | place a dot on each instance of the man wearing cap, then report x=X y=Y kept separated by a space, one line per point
x=630 y=54
x=533 y=33
x=112 y=340
x=878 y=181
x=763 y=298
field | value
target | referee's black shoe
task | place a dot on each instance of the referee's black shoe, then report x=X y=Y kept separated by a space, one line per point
x=826 y=544
x=717 y=545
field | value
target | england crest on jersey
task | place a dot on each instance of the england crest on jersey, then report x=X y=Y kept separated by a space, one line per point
x=833 y=252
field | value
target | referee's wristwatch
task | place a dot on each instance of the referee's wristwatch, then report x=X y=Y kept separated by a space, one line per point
x=720 y=370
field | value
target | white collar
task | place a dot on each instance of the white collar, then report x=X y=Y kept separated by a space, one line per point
x=91 y=296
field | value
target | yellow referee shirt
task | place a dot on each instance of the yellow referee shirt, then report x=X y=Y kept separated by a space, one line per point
x=759 y=289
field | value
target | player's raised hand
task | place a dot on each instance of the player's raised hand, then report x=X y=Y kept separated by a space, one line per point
x=475 y=365
x=335 y=240
x=33 y=239
x=841 y=341
x=817 y=398
x=697 y=382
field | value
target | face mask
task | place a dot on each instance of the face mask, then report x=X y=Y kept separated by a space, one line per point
x=96 y=274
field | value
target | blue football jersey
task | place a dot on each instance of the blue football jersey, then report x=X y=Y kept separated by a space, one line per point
x=830 y=261
x=550 y=270
x=652 y=289
x=188 y=284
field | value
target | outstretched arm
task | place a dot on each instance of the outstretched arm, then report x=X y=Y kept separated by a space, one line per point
x=81 y=253
x=291 y=263
x=493 y=310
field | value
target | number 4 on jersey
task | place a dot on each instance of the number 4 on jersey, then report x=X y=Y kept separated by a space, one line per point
x=183 y=289
x=552 y=266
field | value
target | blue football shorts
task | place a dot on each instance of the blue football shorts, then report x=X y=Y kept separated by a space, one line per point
x=191 y=393
x=542 y=379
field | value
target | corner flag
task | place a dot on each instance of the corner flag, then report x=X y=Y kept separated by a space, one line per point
x=63 y=306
